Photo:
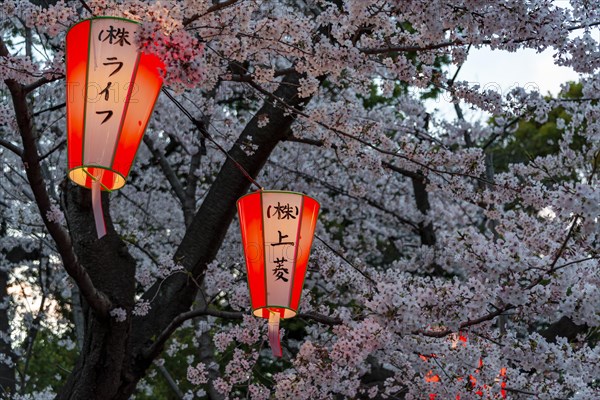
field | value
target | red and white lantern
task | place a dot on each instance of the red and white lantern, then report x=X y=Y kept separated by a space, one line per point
x=277 y=233
x=111 y=91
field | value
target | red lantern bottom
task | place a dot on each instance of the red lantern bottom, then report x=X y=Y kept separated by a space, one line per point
x=85 y=175
x=266 y=312
x=97 y=179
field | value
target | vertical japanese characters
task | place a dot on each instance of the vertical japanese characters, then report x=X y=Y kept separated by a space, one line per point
x=111 y=91
x=116 y=37
x=281 y=211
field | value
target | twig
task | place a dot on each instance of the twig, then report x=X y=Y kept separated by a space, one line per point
x=12 y=147
x=216 y=7
x=40 y=82
x=166 y=169
x=552 y=268
x=200 y=126
x=346 y=194
x=337 y=253
x=156 y=347
x=53 y=108
x=58 y=146
x=466 y=324
x=323 y=319
x=84 y=4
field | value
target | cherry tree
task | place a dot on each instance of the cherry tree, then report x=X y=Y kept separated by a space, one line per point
x=435 y=273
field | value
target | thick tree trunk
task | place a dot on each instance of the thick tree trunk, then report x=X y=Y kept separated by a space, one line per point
x=115 y=354
x=104 y=359
x=205 y=234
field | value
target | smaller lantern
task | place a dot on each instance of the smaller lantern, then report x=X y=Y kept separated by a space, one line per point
x=111 y=91
x=277 y=233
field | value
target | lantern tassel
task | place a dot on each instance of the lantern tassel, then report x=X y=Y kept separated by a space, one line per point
x=97 y=208
x=274 y=334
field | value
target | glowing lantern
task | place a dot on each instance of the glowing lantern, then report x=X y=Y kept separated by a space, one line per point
x=111 y=91
x=473 y=385
x=277 y=233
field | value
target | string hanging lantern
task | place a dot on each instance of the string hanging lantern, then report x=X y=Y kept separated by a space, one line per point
x=111 y=91
x=277 y=233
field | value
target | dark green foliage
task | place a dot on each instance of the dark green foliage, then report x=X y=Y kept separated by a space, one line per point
x=50 y=363
x=535 y=139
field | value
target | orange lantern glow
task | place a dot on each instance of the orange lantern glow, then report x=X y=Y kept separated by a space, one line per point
x=474 y=385
x=111 y=91
x=277 y=233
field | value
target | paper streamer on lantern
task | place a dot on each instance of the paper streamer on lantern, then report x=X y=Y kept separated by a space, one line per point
x=111 y=91
x=274 y=340
x=277 y=233
x=97 y=208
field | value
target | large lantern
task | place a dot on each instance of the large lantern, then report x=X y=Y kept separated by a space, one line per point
x=277 y=233
x=111 y=91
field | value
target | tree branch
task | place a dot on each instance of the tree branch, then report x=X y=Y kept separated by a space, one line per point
x=405 y=172
x=172 y=384
x=435 y=46
x=12 y=147
x=297 y=111
x=85 y=5
x=322 y=319
x=154 y=350
x=53 y=108
x=97 y=300
x=40 y=82
x=559 y=254
x=466 y=324
x=167 y=170
x=158 y=344
x=405 y=49
x=346 y=194
x=203 y=238
x=52 y=150
x=216 y=7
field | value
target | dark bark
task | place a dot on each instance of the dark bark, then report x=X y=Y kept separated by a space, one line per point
x=205 y=234
x=104 y=359
x=33 y=169
x=426 y=231
x=115 y=355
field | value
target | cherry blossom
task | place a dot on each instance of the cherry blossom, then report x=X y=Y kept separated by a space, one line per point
x=440 y=271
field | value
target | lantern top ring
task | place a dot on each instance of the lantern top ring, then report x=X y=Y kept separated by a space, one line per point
x=101 y=17
x=277 y=191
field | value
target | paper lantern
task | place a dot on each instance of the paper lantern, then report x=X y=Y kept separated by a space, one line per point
x=277 y=233
x=111 y=91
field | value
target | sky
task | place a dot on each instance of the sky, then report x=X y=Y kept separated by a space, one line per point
x=503 y=70
x=523 y=68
